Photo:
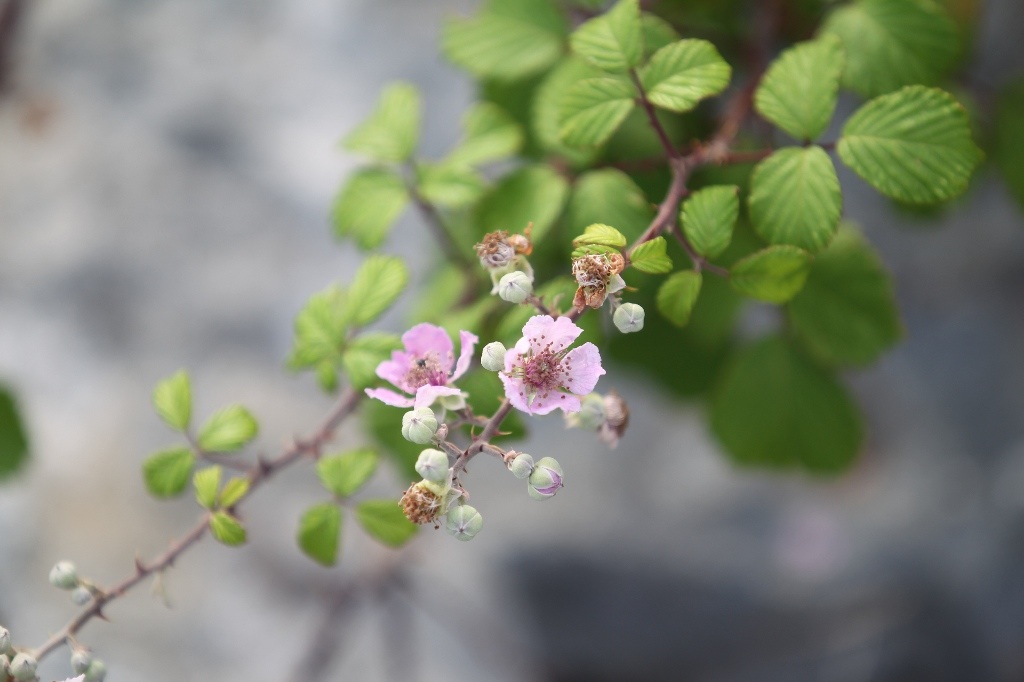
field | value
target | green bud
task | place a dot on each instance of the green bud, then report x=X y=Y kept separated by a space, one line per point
x=515 y=287
x=629 y=318
x=96 y=672
x=64 y=575
x=5 y=666
x=432 y=465
x=5 y=641
x=591 y=415
x=492 y=358
x=81 y=595
x=23 y=667
x=464 y=522
x=546 y=478
x=521 y=466
x=80 y=661
x=419 y=425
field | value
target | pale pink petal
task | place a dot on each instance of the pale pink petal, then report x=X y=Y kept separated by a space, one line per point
x=522 y=346
x=544 y=332
x=390 y=397
x=553 y=400
x=514 y=358
x=426 y=395
x=425 y=338
x=584 y=369
x=468 y=342
x=395 y=369
x=515 y=391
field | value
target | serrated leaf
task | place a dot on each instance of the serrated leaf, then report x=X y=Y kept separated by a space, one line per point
x=657 y=33
x=913 y=145
x=368 y=205
x=167 y=473
x=227 y=529
x=172 y=399
x=391 y=132
x=891 y=43
x=384 y=521
x=234 y=490
x=507 y=40
x=530 y=194
x=798 y=93
x=319 y=330
x=613 y=41
x=795 y=198
x=709 y=217
x=650 y=257
x=378 y=282
x=449 y=185
x=345 y=473
x=1008 y=138
x=677 y=295
x=228 y=430
x=546 y=112
x=206 y=482
x=608 y=196
x=604 y=235
x=846 y=312
x=490 y=134
x=592 y=109
x=682 y=74
x=775 y=274
x=775 y=408
x=13 y=441
x=320 y=533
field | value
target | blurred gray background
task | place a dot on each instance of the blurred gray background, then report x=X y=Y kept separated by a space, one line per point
x=166 y=173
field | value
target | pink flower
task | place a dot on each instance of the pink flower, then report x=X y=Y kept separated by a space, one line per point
x=541 y=374
x=424 y=368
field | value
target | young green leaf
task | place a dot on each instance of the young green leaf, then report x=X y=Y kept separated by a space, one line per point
x=677 y=295
x=234 y=490
x=228 y=430
x=530 y=194
x=378 y=282
x=449 y=185
x=319 y=330
x=795 y=198
x=608 y=196
x=913 y=145
x=546 y=111
x=320 y=533
x=368 y=205
x=604 y=235
x=775 y=274
x=775 y=408
x=206 y=482
x=364 y=353
x=682 y=74
x=326 y=373
x=614 y=41
x=345 y=473
x=172 y=399
x=709 y=217
x=891 y=43
x=798 y=92
x=166 y=473
x=650 y=257
x=13 y=441
x=227 y=529
x=391 y=132
x=384 y=521
x=490 y=134
x=592 y=109
x=1008 y=145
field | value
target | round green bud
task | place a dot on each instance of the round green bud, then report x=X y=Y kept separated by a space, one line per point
x=80 y=660
x=432 y=465
x=5 y=665
x=419 y=425
x=591 y=415
x=515 y=287
x=5 y=641
x=546 y=478
x=629 y=318
x=64 y=575
x=492 y=358
x=522 y=466
x=23 y=667
x=81 y=595
x=96 y=671
x=464 y=522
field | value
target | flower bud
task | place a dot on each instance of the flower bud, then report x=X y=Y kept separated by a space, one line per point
x=432 y=465
x=521 y=466
x=463 y=522
x=96 y=672
x=80 y=660
x=64 y=575
x=81 y=595
x=515 y=287
x=591 y=414
x=5 y=641
x=23 y=667
x=628 y=318
x=419 y=425
x=5 y=666
x=546 y=478
x=492 y=358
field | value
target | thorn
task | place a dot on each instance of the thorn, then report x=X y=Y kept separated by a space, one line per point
x=140 y=567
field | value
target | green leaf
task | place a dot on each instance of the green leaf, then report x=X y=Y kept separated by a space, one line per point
x=507 y=40
x=364 y=353
x=775 y=408
x=172 y=398
x=166 y=473
x=775 y=274
x=319 y=329
x=490 y=134
x=657 y=33
x=592 y=109
x=449 y=185
x=795 y=198
x=530 y=194
x=1008 y=133
x=228 y=430
x=378 y=282
x=368 y=205
x=614 y=41
x=913 y=145
x=345 y=473
x=327 y=375
x=846 y=312
x=13 y=441
x=206 y=482
x=891 y=43
x=320 y=533
x=442 y=292
x=227 y=529
x=234 y=490
x=391 y=132
x=798 y=92
x=677 y=296
x=608 y=196
x=384 y=521
x=682 y=74
x=650 y=257
x=546 y=112
x=709 y=217
x=604 y=235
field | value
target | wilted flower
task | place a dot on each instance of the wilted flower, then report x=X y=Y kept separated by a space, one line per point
x=616 y=419
x=597 y=276
x=421 y=503
x=424 y=368
x=498 y=249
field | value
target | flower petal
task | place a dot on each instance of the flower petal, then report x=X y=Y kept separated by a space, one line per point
x=429 y=338
x=390 y=397
x=553 y=400
x=583 y=367
x=544 y=332
x=468 y=342
x=426 y=395
x=395 y=369
x=515 y=391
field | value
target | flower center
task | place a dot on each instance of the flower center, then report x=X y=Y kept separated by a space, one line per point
x=543 y=371
x=425 y=371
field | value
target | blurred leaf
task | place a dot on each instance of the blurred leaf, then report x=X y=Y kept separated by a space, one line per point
x=1008 y=145
x=442 y=292
x=365 y=353
x=206 y=482
x=490 y=134
x=657 y=33
x=344 y=474
x=677 y=296
x=612 y=42
x=227 y=529
x=384 y=521
x=682 y=74
x=167 y=473
x=530 y=194
x=234 y=490
x=650 y=257
x=391 y=132
x=775 y=274
x=172 y=398
x=320 y=533
x=485 y=395
x=449 y=185
x=228 y=430
x=13 y=441
x=368 y=205
x=378 y=282
x=798 y=92
x=608 y=196
x=592 y=109
x=546 y=115
x=709 y=217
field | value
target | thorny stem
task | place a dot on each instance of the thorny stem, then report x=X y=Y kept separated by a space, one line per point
x=480 y=442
